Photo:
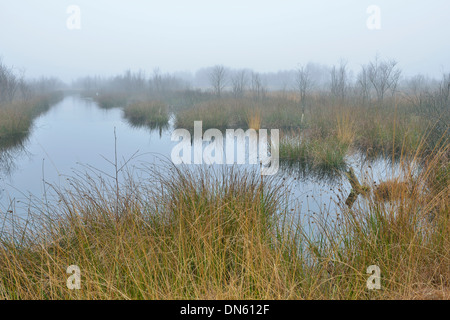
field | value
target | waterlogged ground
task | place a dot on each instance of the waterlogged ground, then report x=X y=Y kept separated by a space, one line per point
x=76 y=136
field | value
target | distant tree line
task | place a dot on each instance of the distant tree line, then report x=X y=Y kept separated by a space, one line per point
x=371 y=85
x=14 y=86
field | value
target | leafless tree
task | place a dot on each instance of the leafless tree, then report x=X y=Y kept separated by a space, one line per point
x=434 y=104
x=303 y=83
x=339 y=80
x=416 y=89
x=239 y=83
x=363 y=84
x=384 y=76
x=46 y=84
x=257 y=87
x=24 y=88
x=129 y=81
x=9 y=83
x=217 y=78
x=156 y=81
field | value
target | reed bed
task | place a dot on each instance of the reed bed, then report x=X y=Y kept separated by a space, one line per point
x=329 y=129
x=219 y=113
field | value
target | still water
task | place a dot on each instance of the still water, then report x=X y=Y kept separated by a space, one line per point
x=76 y=134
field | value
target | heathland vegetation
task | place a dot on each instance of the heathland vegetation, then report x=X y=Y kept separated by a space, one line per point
x=203 y=233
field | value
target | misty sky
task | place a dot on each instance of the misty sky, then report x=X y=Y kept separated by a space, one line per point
x=188 y=35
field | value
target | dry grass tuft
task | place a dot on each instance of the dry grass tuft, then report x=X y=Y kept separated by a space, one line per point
x=254 y=119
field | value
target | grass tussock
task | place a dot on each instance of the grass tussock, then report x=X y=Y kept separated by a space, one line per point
x=322 y=147
x=324 y=156
x=390 y=190
x=147 y=113
x=186 y=235
x=254 y=119
x=107 y=100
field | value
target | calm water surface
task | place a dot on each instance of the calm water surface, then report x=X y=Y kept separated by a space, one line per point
x=76 y=133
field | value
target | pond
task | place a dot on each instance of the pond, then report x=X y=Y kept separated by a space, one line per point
x=76 y=135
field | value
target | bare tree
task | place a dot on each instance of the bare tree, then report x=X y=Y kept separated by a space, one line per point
x=9 y=83
x=284 y=89
x=257 y=86
x=303 y=83
x=339 y=80
x=416 y=89
x=442 y=106
x=156 y=81
x=217 y=78
x=23 y=87
x=384 y=76
x=47 y=84
x=364 y=84
x=431 y=101
x=239 y=83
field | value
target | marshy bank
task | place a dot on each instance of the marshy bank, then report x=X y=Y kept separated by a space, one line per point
x=140 y=229
x=320 y=137
x=21 y=102
x=183 y=233
x=72 y=131
x=219 y=233
x=16 y=118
